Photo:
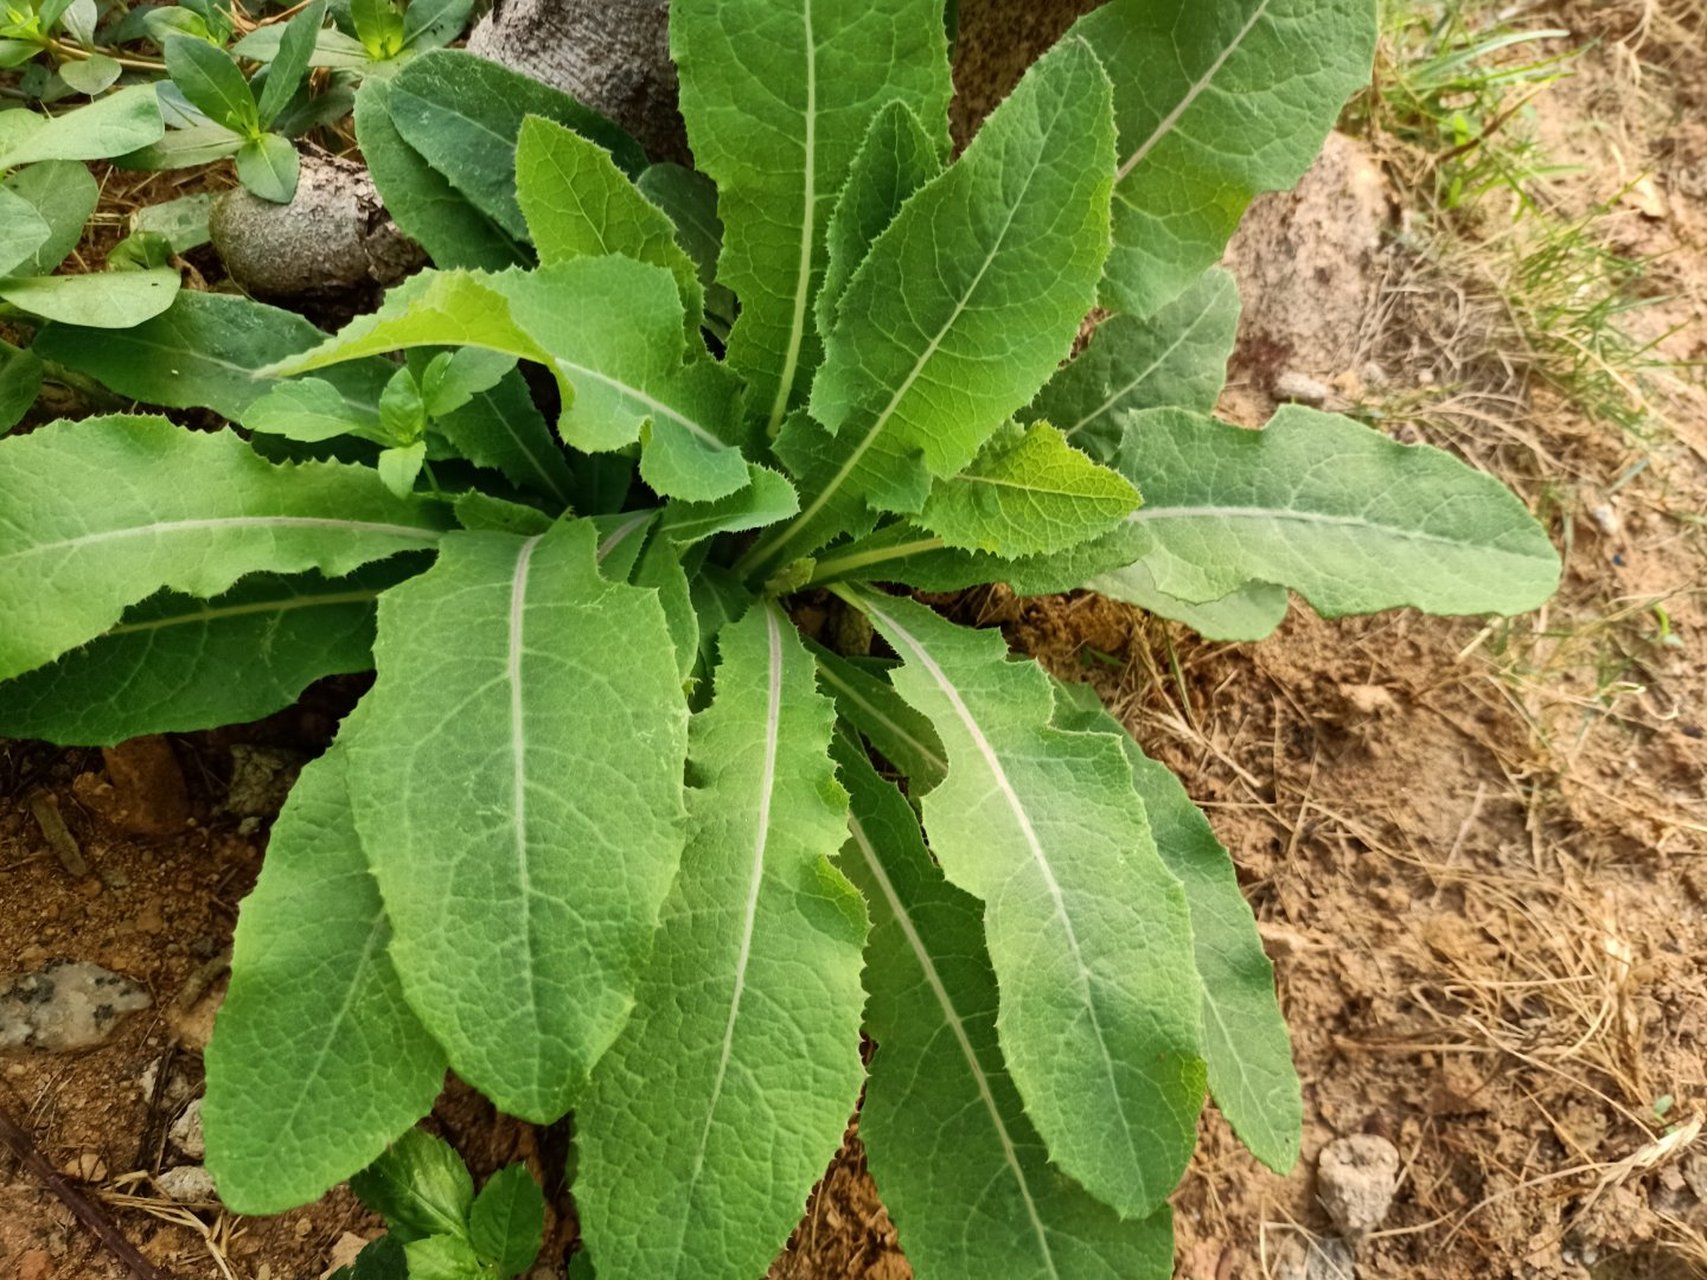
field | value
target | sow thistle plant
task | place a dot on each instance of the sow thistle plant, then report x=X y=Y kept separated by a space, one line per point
x=608 y=835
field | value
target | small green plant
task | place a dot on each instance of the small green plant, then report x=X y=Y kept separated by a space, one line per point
x=608 y=833
x=439 y=1229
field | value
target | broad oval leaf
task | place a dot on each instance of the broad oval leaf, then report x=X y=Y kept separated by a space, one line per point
x=997 y=260
x=960 y=1168
x=316 y=1062
x=777 y=98
x=101 y=299
x=109 y=126
x=1215 y=102
x=1175 y=358
x=727 y=1095
x=197 y=511
x=538 y=789
x=1351 y=520
x=166 y=667
x=209 y=77
x=1101 y=1016
x=64 y=194
x=268 y=168
x=1250 y=613
x=23 y=231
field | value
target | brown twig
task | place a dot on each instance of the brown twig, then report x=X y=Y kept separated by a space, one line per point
x=87 y=1211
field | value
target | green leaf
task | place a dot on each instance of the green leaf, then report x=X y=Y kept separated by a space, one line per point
x=463 y=115
x=897 y=157
x=1352 y=521
x=401 y=465
x=508 y=1220
x=184 y=149
x=309 y=410
x=769 y=498
x=182 y=221
x=20 y=382
x=109 y=126
x=103 y=299
x=268 y=167
x=482 y=512
x=63 y=193
x=443 y=1258
x=1101 y=1009
x=92 y=75
x=1244 y=1035
x=382 y=1259
x=907 y=554
x=453 y=378
x=866 y=700
x=197 y=511
x=661 y=569
x=993 y=301
x=332 y=48
x=579 y=204
x=379 y=26
x=1215 y=103
x=203 y=352
x=23 y=231
x=164 y=668
x=209 y=77
x=777 y=98
x=728 y=1092
x=555 y=674
x=316 y=1063
x=290 y=64
x=402 y=414
x=960 y=1168
x=621 y=384
x=1250 y=613
x=500 y=428
x=689 y=199
x=1177 y=357
x=420 y=199
x=1027 y=493
x=427 y=24
x=420 y=1186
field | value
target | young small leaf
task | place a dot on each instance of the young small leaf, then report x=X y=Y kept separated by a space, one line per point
x=555 y=673
x=1101 y=1009
x=579 y=204
x=163 y=668
x=210 y=79
x=198 y=510
x=1244 y=1035
x=1351 y=520
x=316 y=1063
x=268 y=167
x=454 y=378
x=420 y=1186
x=507 y=1220
x=1027 y=493
x=379 y=26
x=444 y=1258
x=502 y=429
x=777 y=98
x=727 y=1094
x=101 y=299
x=92 y=75
x=993 y=301
x=1177 y=357
x=109 y=126
x=401 y=465
x=308 y=410
x=382 y=1259
x=868 y=702
x=960 y=1168
x=1215 y=102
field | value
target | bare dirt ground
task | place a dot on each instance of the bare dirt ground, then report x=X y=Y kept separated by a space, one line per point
x=1478 y=851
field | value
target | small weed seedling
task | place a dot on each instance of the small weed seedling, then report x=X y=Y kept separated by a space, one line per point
x=608 y=833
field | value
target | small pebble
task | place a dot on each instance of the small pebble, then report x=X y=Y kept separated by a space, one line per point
x=186 y=1131
x=65 y=1005
x=187 y=1184
x=85 y=1166
x=1355 y=1181
x=1302 y=388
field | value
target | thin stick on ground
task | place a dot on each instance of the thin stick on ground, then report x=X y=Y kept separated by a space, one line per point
x=86 y=1211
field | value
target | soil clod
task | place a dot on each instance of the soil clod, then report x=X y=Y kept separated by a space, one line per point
x=1355 y=1181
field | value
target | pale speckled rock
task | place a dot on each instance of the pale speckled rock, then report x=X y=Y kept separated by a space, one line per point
x=65 y=1005
x=1355 y=1181
x=186 y=1131
x=187 y=1184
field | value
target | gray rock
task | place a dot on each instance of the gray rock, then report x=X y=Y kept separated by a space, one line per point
x=1355 y=1181
x=188 y=1184
x=1308 y=1258
x=66 y=1004
x=186 y=1131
